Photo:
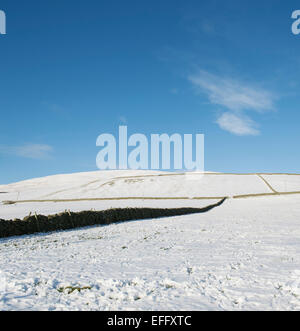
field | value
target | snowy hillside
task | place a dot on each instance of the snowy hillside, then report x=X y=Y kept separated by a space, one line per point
x=105 y=189
x=244 y=254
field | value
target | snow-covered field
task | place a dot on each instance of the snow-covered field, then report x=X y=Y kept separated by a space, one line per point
x=244 y=254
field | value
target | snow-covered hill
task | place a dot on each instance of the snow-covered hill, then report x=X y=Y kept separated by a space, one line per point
x=105 y=189
x=244 y=254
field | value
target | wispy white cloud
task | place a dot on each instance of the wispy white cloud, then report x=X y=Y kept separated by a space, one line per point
x=31 y=151
x=240 y=125
x=232 y=94
x=237 y=97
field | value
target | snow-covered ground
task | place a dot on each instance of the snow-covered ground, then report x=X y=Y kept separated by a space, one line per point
x=244 y=254
x=284 y=183
x=108 y=184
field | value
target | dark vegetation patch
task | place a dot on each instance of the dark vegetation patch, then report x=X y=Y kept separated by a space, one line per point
x=70 y=220
x=71 y=289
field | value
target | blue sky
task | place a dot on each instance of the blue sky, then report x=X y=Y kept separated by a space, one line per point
x=71 y=70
